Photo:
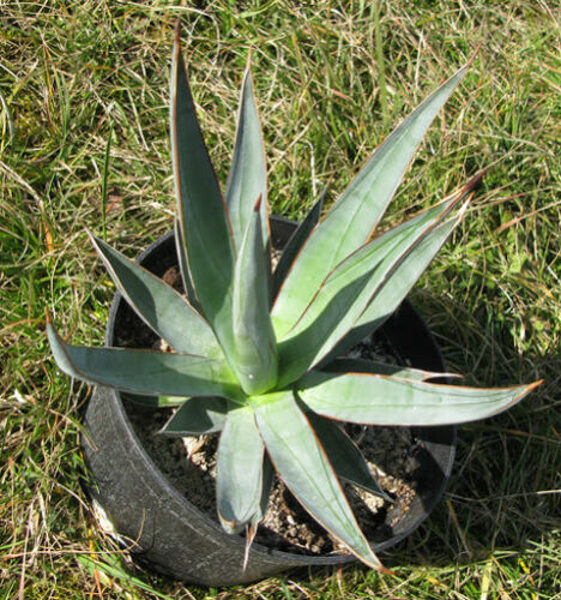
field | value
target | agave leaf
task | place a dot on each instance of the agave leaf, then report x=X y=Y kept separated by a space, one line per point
x=250 y=531
x=357 y=212
x=239 y=477
x=297 y=354
x=181 y=251
x=160 y=306
x=248 y=176
x=144 y=371
x=389 y=247
x=295 y=243
x=203 y=216
x=385 y=400
x=359 y=365
x=268 y=478
x=156 y=401
x=304 y=467
x=254 y=339
x=343 y=454
x=347 y=292
x=251 y=527
x=197 y=416
x=397 y=285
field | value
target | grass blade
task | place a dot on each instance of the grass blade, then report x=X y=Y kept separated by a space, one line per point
x=105 y=177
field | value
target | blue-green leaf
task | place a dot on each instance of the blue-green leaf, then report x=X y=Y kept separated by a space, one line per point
x=344 y=456
x=347 y=292
x=255 y=355
x=295 y=243
x=248 y=176
x=268 y=479
x=203 y=216
x=239 y=477
x=159 y=305
x=306 y=470
x=359 y=365
x=251 y=528
x=197 y=416
x=357 y=212
x=398 y=284
x=382 y=400
x=144 y=371
x=181 y=251
x=156 y=401
x=299 y=353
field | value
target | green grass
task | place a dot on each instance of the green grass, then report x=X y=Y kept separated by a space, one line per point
x=75 y=75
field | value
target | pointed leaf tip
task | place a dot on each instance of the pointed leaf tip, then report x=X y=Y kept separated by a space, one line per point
x=248 y=174
x=257 y=204
x=474 y=182
x=536 y=384
x=472 y=57
x=177 y=31
x=304 y=467
x=239 y=475
x=414 y=403
x=203 y=216
x=250 y=531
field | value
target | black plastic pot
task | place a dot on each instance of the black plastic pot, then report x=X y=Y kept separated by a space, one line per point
x=170 y=533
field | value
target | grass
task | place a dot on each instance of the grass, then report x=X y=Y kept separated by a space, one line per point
x=79 y=80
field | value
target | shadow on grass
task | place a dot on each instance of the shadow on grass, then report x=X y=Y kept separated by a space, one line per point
x=504 y=492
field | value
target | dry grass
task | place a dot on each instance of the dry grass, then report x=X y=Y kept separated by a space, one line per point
x=74 y=75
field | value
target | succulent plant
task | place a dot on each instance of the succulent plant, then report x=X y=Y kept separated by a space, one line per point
x=255 y=351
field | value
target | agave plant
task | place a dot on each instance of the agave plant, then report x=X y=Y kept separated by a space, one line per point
x=254 y=352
